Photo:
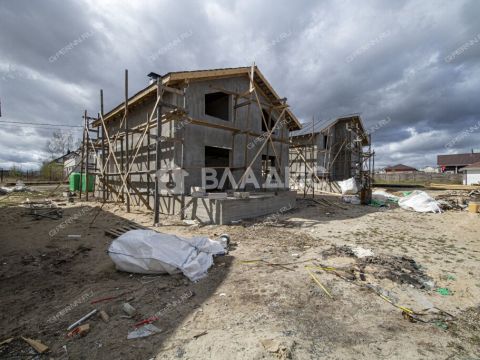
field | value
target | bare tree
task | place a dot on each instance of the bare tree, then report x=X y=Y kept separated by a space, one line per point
x=60 y=143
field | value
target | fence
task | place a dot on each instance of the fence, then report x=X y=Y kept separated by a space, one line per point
x=13 y=175
x=418 y=178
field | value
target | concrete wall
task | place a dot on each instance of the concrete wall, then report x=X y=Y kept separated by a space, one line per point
x=184 y=142
x=197 y=136
x=472 y=177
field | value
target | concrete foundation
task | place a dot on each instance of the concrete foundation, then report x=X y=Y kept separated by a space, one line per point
x=224 y=211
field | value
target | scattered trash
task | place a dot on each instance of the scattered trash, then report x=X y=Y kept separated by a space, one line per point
x=74 y=236
x=444 y=291
x=441 y=324
x=146 y=321
x=451 y=277
x=200 y=334
x=271 y=345
x=348 y=186
x=419 y=201
x=222 y=294
x=360 y=252
x=190 y=222
x=351 y=199
x=76 y=323
x=224 y=240
x=377 y=203
x=18 y=187
x=36 y=344
x=43 y=209
x=399 y=269
x=282 y=349
x=81 y=331
x=318 y=282
x=150 y=252
x=384 y=196
x=143 y=331
x=129 y=309
x=104 y=316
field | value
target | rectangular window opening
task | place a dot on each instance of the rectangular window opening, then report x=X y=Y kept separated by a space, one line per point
x=217 y=105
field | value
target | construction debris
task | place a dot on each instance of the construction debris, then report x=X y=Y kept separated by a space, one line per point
x=129 y=309
x=149 y=252
x=419 y=201
x=36 y=344
x=81 y=331
x=104 y=316
x=78 y=322
x=143 y=331
x=399 y=269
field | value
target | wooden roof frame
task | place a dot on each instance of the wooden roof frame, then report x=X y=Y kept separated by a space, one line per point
x=175 y=78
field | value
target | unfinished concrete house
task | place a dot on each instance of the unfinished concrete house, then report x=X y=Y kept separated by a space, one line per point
x=154 y=147
x=323 y=153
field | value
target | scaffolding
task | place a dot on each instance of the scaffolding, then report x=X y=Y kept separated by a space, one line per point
x=118 y=157
x=313 y=169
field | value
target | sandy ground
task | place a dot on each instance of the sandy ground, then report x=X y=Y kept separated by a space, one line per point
x=246 y=309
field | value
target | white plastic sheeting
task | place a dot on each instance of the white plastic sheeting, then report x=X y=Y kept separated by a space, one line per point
x=384 y=196
x=348 y=186
x=419 y=201
x=150 y=252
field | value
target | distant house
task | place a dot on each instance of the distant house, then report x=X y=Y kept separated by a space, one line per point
x=471 y=174
x=455 y=162
x=72 y=162
x=430 y=170
x=399 y=168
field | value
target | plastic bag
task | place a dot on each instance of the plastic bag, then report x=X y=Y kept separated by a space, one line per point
x=419 y=201
x=348 y=186
x=384 y=196
x=150 y=252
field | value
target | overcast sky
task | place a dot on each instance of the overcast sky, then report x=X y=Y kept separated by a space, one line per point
x=414 y=63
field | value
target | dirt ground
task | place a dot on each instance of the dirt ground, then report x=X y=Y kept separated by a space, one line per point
x=261 y=300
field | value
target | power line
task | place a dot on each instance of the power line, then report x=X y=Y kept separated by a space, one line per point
x=39 y=124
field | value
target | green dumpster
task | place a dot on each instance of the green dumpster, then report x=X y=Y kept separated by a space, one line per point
x=91 y=182
x=74 y=181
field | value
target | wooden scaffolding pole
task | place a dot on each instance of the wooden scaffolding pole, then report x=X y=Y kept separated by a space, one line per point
x=158 y=159
x=82 y=152
x=105 y=182
x=127 y=149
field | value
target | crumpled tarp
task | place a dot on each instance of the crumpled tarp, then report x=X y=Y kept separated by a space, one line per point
x=419 y=201
x=150 y=252
x=384 y=196
x=349 y=186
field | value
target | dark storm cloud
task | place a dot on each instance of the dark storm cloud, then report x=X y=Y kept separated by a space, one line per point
x=415 y=63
